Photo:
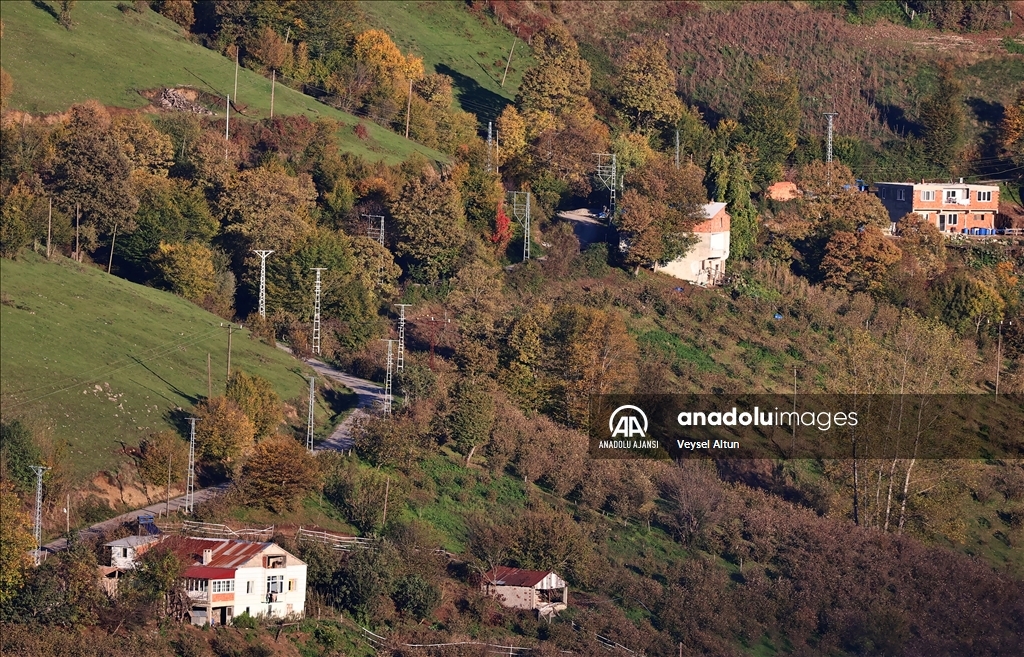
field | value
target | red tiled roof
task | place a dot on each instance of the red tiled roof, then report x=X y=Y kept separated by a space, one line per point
x=506 y=576
x=206 y=572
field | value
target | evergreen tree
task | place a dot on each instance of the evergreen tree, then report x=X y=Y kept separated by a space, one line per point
x=944 y=120
x=770 y=119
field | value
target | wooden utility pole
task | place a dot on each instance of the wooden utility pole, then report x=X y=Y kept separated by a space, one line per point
x=209 y=377
x=273 y=84
x=236 y=75
x=509 y=61
x=49 y=228
x=387 y=491
x=167 y=503
x=408 y=110
x=113 y=240
x=229 y=358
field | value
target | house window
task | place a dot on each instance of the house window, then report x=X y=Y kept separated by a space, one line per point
x=928 y=195
x=951 y=196
x=900 y=195
x=250 y=587
x=124 y=553
x=223 y=585
x=292 y=585
x=275 y=583
x=196 y=584
x=275 y=562
x=951 y=219
x=884 y=193
x=984 y=196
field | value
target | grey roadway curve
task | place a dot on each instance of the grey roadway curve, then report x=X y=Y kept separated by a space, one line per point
x=369 y=394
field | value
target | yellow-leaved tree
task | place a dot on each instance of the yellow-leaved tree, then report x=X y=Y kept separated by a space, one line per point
x=187 y=269
x=15 y=542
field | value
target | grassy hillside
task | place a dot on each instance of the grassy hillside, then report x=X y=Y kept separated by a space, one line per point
x=96 y=360
x=470 y=47
x=111 y=56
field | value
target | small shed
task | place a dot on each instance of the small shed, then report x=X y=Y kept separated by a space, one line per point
x=541 y=590
x=125 y=552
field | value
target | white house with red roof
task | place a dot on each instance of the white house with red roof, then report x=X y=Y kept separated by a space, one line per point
x=227 y=577
x=541 y=590
x=704 y=263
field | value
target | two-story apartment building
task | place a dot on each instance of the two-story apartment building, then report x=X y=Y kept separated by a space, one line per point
x=225 y=577
x=952 y=207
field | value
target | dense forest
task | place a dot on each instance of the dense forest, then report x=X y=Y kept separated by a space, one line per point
x=486 y=453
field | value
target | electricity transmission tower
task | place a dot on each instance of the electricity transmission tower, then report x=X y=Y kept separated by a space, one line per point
x=263 y=281
x=316 y=311
x=309 y=423
x=387 y=379
x=376 y=232
x=37 y=530
x=489 y=147
x=400 y=366
x=521 y=211
x=607 y=176
x=829 y=116
x=190 y=481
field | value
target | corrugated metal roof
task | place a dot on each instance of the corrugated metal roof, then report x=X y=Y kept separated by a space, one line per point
x=506 y=576
x=132 y=541
x=226 y=553
x=205 y=572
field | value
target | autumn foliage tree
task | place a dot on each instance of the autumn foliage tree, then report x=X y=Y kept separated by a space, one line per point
x=278 y=473
x=223 y=432
x=859 y=261
x=15 y=542
x=647 y=87
x=431 y=223
x=257 y=399
x=161 y=454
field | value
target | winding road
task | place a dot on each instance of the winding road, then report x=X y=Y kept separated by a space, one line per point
x=368 y=394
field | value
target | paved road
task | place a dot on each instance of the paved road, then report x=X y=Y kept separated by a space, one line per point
x=587 y=227
x=368 y=393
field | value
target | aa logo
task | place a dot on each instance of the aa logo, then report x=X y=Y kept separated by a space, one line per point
x=632 y=422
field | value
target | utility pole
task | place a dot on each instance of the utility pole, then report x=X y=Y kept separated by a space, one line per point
x=677 y=148
x=435 y=325
x=309 y=423
x=509 y=60
x=78 y=219
x=999 y=354
x=263 y=254
x=829 y=116
x=408 y=110
x=375 y=231
x=209 y=377
x=401 y=335
x=273 y=85
x=521 y=211
x=236 y=74
x=316 y=311
x=387 y=379
x=49 y=228
x=67 y=517
x=227 y=125
x=38 y=527
x=489 y=142
x=167 y=502
x=387 y=493
x=607 y=176
x=190 y=483
x=230 y=328
x=113 y=241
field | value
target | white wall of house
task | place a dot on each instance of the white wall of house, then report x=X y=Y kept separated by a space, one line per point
x=516 y=597
x=702 y=264
x=251 y=588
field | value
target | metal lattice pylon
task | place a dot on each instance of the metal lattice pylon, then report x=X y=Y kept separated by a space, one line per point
x=375 y=231
x=400 y=366
x=309 y=423
x=263 y=281
x=316 y=311
x=521 y=211
x=387 y=379
x=190 y=481
x=608 y=177
x=37 y=527
x=830 y=116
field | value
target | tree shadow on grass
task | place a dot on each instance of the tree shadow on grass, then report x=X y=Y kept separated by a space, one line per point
x=486 y=104
x=45 y=6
